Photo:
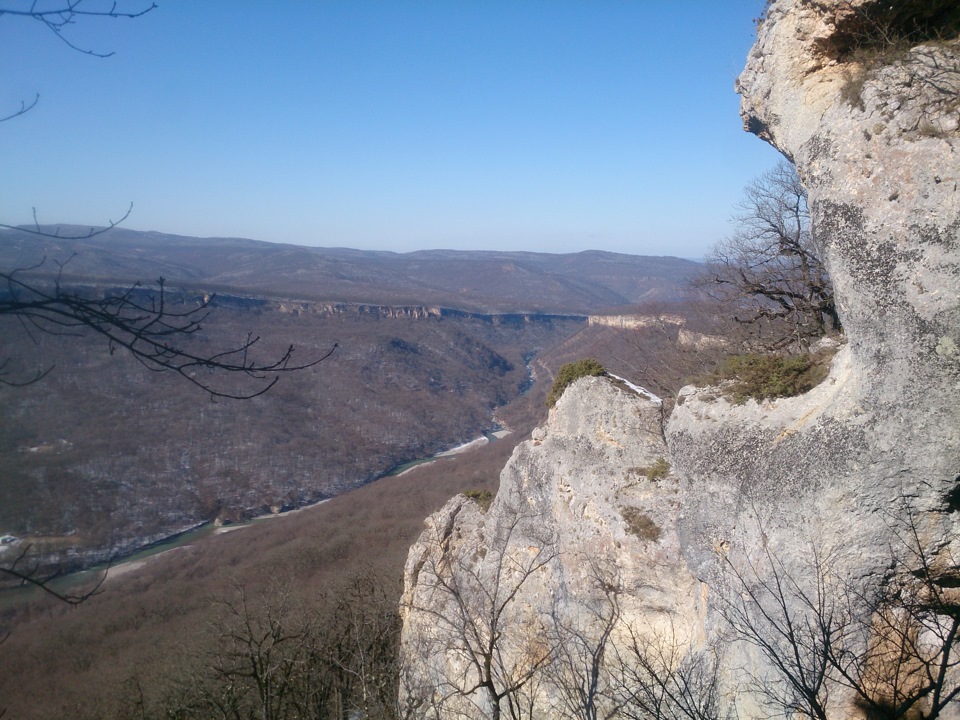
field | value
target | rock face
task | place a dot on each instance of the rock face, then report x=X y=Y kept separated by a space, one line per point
x=847 y=487
x=871 y=121
x=488 y=595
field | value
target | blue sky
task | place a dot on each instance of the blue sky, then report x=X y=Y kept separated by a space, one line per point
x=541 y=125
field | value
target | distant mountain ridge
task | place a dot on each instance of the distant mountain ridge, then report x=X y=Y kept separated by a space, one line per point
x=479 y=281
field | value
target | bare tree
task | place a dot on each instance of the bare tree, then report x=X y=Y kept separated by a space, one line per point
x=143 y=322
x=893 y=643
x=606 y=666
x=471 y=601
x=255 y=665
x=908 y=663
x=582 y=637
x=658 y=677
x=795 y=623
x=270 y=658
x=356 y=656
x=770 y=271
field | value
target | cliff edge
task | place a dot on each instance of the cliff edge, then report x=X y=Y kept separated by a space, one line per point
x=633 y=563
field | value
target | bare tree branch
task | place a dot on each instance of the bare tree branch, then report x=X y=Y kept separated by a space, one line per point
x=29 y=576
x=24 y=108
x=92 y=232
x=143 y=322
x=63 y=14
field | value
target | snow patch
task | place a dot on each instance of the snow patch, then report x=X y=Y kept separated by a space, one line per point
x=638 y=390
x=463 y=448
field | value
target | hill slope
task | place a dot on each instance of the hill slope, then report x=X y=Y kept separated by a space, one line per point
x=477 y=281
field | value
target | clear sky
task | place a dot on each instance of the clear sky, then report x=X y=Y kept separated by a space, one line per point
x=543 y=125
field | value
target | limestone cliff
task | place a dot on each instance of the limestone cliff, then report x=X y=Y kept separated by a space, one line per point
x=581 y=514
x=591 y=558
x=871 y=123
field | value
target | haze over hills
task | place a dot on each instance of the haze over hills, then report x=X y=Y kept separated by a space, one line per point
x=478 y=281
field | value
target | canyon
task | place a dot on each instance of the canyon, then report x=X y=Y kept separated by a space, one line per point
x=102 y=456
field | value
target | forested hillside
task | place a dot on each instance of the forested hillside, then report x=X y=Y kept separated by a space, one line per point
x=101 y=456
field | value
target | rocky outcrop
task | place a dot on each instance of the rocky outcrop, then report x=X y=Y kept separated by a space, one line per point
x=422 y=312
x=632 y=322
x=847 y=487
x=581 y=514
